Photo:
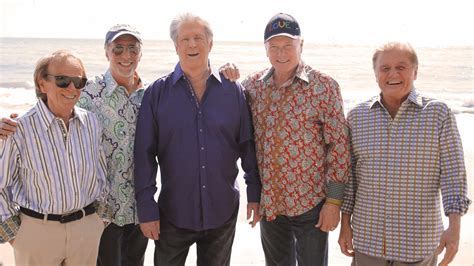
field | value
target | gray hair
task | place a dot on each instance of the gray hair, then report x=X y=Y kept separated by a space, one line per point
x=398 y=46
x=41 y=70
x=188 y=17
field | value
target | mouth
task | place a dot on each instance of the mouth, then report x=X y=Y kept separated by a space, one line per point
x=70 y=97
x=283 y=62
x=125 y=64
x=193 y=55
x=394 y=82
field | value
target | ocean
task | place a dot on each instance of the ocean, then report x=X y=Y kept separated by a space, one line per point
x=445 y=73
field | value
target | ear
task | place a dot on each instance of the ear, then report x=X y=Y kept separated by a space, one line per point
x=210 y=45
x=42 y=85
x=416 y=72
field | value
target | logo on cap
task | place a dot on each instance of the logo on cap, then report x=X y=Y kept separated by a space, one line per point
x=282 y=25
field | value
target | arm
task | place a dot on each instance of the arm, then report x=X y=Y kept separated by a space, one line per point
x=9 y=219
x=8 y=126
x=336 y=138
x=145 y=152
x=249 y=161
x=453 y=186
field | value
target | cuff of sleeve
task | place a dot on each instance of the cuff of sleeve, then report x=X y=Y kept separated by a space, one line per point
x=9 y=228
x=335 y=190
x=456 y=204
x=253 y=193
x=104 y=211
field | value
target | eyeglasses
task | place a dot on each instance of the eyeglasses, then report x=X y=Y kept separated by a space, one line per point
x=132 y=49
x=64 y=81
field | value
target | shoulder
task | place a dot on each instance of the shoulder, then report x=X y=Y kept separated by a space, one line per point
x=361 y=108
x=255 y=79
x=316 y=76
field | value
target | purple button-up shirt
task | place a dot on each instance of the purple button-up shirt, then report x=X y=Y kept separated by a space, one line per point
x=197 y=146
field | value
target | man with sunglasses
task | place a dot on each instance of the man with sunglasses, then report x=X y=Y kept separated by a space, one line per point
x=53 y=168
x=115 y=97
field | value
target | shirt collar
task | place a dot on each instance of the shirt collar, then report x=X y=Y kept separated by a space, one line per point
x=47 y=117
x=300 y=73
x=413 y=97
x=179 y=74
x=111 y=84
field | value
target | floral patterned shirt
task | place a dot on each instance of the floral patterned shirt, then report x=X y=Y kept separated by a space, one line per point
x=301 y=138
x=117 y=112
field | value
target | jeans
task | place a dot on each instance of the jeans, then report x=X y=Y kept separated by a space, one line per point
x=122 y=246
x=287 y=240
x=213 y=246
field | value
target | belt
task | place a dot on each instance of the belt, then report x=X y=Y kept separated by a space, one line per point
x=62 y=218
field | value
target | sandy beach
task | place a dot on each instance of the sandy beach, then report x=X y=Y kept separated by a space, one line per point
x=247 y=248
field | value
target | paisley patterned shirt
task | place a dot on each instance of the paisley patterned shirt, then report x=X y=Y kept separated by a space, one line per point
x=117 y=112
x=301 y=138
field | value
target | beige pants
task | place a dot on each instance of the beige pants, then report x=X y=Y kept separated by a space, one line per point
x=42 y=242
x=366 y=260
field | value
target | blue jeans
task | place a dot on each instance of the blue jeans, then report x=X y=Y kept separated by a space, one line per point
x=213 y=246
x=286 y=240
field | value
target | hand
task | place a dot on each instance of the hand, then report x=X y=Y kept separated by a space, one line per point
x=329 y=217
x=450 y=240
x=8 y=126
x=253 y=208
x=151 y=229
x=345 y=236
x=230 y=71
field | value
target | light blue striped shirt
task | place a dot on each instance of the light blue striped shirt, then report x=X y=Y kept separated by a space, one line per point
x=48 y=168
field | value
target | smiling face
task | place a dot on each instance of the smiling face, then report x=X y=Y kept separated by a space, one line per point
x=124 y=54
x=193 y=46
x=395 y=74
x=284 y=53
x=61 y=101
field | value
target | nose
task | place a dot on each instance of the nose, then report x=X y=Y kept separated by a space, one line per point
x=192 y=42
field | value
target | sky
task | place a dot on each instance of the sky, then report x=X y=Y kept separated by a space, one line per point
x=421 y=22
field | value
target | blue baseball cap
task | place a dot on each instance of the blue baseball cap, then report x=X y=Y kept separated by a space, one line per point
x=282 y=25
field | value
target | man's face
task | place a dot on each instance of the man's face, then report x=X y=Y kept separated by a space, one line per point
x=395 y=74
x=193 y=46
x=61 y=101
x=123 y=54
x=284 y=53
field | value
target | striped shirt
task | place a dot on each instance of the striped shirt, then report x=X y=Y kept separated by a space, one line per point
x=117 y=112
x=399 y=167
x=302 y=140
x=48 y=168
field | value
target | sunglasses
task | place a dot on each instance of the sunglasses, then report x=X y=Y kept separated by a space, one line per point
x=64 y=81
x=132 y=49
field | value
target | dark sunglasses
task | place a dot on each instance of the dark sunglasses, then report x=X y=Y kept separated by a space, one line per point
x=119 y=49
x=64 y=81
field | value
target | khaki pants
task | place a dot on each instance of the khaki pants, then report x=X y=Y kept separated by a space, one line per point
x=42 y=242
x=366 y=260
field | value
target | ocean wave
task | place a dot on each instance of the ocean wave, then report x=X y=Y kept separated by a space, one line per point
x=18 y=84
x=469 y=103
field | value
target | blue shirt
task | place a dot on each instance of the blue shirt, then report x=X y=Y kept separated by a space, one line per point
x=197 y=146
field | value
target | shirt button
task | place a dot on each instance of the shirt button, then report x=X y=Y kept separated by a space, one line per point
x=202 y=148
x=199 y=112
x=200 y=130
x=203 y=166
x=203 y=186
